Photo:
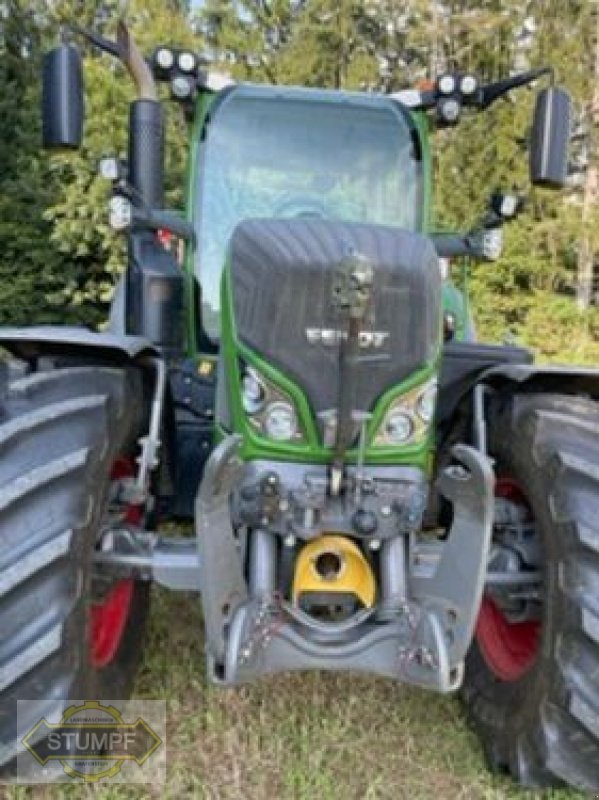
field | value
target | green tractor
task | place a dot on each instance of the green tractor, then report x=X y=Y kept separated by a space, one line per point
x=373 y=489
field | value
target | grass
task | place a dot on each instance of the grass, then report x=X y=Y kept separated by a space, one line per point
x=313 y=736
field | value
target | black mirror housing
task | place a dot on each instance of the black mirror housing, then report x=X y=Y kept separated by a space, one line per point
x=550 y=138
x=62 y=99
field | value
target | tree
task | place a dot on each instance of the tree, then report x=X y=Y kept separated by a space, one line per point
x=247 y=36
x=78 y=212
x=29 y=265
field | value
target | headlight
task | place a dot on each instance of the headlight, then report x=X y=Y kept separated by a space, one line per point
x=399 y=427
x=468 y=85
x=492 y=244
x=270 y=411
x=253 y=391
x=280 y=422
x=426 y=403
x=181 y=87
x=449 y=110
x=447 y=84
x=408 y=418
x=186 y=61
x=164 y=58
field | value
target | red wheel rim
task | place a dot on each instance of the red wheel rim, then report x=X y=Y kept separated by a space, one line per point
x=108 y=619
x=509 y=649
x=108 y=622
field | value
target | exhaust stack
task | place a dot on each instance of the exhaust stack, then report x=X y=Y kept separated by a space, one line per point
x=146 y=124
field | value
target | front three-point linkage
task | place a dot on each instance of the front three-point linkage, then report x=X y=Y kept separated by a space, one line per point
x=351 y=299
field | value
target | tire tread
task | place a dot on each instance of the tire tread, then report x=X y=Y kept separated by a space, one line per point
x=555 y=441
x=59 y=431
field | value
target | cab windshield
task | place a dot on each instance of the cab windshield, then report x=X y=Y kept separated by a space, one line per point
x=292 y=154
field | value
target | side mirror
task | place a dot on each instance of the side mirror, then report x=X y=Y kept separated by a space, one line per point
x=550 y=138
x=62 y=99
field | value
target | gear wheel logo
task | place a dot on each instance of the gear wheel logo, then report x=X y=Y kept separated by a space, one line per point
x=92 y=741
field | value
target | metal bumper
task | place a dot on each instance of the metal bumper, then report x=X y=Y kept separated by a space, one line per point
x=422 y=639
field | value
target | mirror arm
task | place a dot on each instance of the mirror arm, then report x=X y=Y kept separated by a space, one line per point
x=468 y=245
x=128 y=53
x=155 y=219
x=106 y=45
x=453 y=245
x=493 y=91
x=485 y=96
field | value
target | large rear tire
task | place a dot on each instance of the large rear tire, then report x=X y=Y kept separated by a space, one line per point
x=61 y=431
x=538 y=717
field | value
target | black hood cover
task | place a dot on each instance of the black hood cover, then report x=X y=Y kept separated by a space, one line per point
x=282 y=274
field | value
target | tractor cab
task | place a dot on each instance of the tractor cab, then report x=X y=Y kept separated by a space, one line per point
x=290 y=153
